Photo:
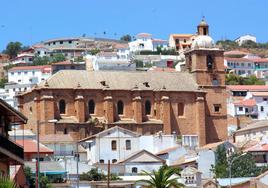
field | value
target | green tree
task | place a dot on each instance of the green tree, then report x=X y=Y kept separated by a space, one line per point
x=6 y=182
x=93 y=175
x=41 y=60
x=126 y=38
x=94 y=51
x=249 y=44
x=2 y=82
x=227 y=44
x=57 y=58
x=233 y=79
x=242 y=166
x=163 y=178
x=44 y=182
x=12 y=49
x=29 y=177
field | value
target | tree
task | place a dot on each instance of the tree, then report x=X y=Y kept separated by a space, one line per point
x=94 y=175
x=242 y=166
x=57 y=58
x=2 y=82
x=6 y=182
x=94 y=51
x=126 y=38
x=233 y=79
x=163 y=178
x=12 y=49
x=29 y=177
x=249 y=44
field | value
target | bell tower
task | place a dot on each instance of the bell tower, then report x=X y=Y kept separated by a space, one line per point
x=206 y=62
x=202 y=28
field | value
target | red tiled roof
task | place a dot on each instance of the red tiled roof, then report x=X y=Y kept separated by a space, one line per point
x=41 y=67
x=159 y=40
x=235 y=52
x=260 y=94
x=247 y=102
x=30 y=146
x=159 y=69
x=63 y=63
x=238 y=59
x=144 y=35
x=247 y=87
x=255 y=60
x=53 y=138
x=258 y=147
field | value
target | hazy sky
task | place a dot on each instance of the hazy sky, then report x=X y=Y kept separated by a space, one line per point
x=31 y=21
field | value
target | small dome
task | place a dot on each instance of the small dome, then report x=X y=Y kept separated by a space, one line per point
x=203 y=23
x=203 y=41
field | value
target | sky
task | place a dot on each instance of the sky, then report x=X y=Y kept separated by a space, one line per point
x=32 y=21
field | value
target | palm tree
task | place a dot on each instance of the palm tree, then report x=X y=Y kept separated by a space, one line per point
x=5 y=182
x=163 y=178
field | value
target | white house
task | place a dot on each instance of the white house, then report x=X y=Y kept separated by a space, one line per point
x=116 y=144
x=191 y=177
x=23 y=58
x=144 y=41
x=255 y=131
x=29 y=74
x=240 y=40
x=21 y=79
x=141 y=161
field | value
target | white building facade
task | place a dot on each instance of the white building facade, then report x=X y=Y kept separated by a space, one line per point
x=244 y=38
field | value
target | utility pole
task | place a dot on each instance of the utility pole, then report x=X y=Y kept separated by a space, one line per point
x=108 y=177
x=38 y=156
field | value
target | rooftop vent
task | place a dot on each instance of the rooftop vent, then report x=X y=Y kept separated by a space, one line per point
x=146 y=84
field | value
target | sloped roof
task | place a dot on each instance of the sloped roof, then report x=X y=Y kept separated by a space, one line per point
x=142 y=156
x=247 y=87
x=56 y=138
x=254 y=125
x=109 y=130
x=258 y=147
x=30 y=146
x=246 y=102
x=118 y=80
x=165 y=151
x=260 y=94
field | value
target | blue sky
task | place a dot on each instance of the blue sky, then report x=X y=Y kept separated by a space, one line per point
x=31 y=21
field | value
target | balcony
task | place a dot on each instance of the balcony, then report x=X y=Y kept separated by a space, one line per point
x=11 y=150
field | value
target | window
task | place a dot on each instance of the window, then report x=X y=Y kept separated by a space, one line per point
x=209 y=62
x=62 y=106
x=19 y=80
x=101 y=161
x=70 y=42
x=262 y=108
x=184 y=40
x=217 y=107
x=128 y=144
x=180 y=109
x=120 y=107
x=113 y=145
x=205 y=31
x=147 y=107
x=240 y=108
x=61 y=42
x=30 y=80
x=33 y=72
x=19 y=73
x=215 y=82
x=91 y=107
x=54 y=43
x=177 y=41
x=264 y=99
x=25 y=72
x=65 y=131
x=134 y=170
x=114 y=161
x=190 y=140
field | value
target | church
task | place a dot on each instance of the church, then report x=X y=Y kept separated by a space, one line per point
x=191 y=103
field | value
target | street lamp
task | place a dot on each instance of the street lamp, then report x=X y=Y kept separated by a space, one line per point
x=230 y=167
x=37 y=183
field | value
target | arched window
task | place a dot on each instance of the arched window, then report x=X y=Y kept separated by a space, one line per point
x=134 y=170
x=128 y=144
x=65 y=131
x=62 y=106
x=209 y=62
x=114 y=161
x=113 y=145
x=120 y=107
x=91 y=107
x=147 y=107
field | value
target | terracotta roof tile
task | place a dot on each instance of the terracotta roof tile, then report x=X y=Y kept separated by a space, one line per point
x=30 y=146
x=247 y=87
x=246 y=102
